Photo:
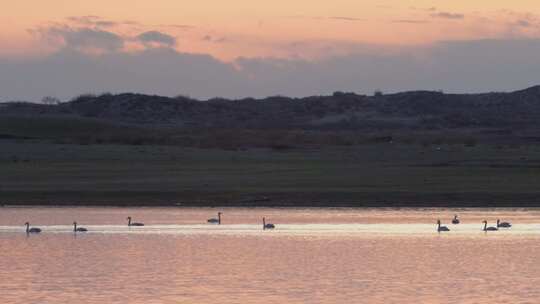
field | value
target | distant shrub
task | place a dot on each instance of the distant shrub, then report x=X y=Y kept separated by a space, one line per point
x=50 y=100
x=217 y=99
x=343 y=94
x=183 y=97
x=83 y=97
x=105 y=95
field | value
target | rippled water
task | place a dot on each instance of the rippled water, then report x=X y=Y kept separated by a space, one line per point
x=313 y=256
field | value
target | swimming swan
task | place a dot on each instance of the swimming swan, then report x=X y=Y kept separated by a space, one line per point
x=267 y=226
x=31 y=230
x=491 y=228
x=78 y=229
x=215 y=220
x=133 y=224
x=503 y=224
x=441 y=228
x=455 y=221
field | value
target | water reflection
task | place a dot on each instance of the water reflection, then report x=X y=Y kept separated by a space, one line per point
x=357 y=256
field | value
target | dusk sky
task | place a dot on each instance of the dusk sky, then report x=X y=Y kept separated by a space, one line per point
x=240 y=48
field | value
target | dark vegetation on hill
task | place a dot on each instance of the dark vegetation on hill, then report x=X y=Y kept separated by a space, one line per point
x=425 y=149
x=280 y=122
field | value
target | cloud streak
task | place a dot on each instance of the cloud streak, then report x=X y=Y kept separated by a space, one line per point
x=345 y=18
x=91 y=34
x=82 y=39
x=447 y=15
x=156 y=39
x=94 y=21
x=410 y=21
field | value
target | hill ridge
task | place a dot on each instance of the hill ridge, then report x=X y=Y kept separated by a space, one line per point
x=342 y=110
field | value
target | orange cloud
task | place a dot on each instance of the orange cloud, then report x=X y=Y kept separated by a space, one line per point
x=264 y=28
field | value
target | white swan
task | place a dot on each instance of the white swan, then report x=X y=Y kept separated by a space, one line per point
x=78 y=229
x=491 y=228
x=215 y=220
x=455 y=221
x=133 y=224
x=31 y=230
x=267 y=226
x=503 y=224
x=441 y=228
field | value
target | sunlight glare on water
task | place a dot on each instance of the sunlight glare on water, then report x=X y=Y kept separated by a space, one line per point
x=313 y=256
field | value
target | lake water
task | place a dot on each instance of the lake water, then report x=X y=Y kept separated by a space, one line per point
x=313 y=256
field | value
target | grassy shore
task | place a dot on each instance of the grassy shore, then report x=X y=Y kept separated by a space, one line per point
x=386 y=174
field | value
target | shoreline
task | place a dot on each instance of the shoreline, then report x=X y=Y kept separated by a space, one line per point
x=272 y=200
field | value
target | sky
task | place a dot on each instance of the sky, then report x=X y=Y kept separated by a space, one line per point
x=240 y=48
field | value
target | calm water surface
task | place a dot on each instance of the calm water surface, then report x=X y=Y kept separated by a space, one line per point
x=313 y=256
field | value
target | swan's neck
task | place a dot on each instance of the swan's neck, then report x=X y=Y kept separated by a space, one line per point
x=129 y=221
x=74 y=226
x=485 y=226
x=219 y=218
x=264 y=223
x=27 y=228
